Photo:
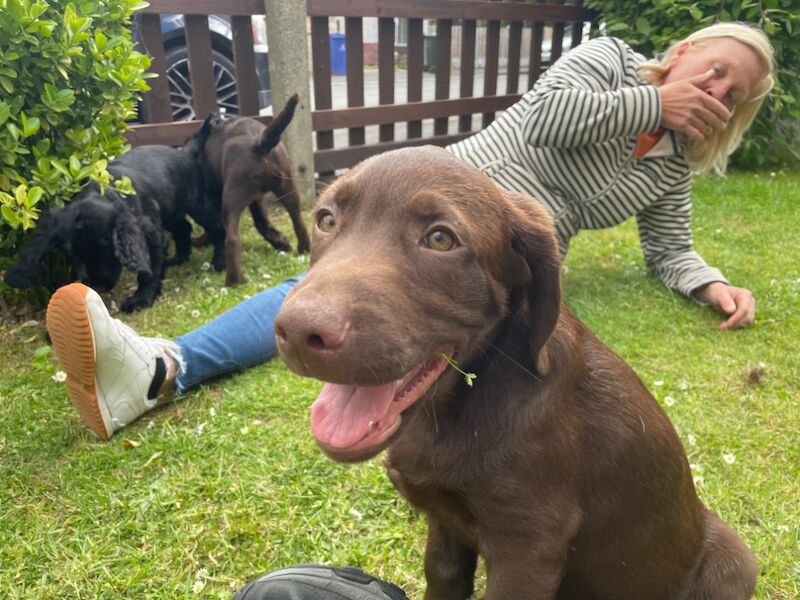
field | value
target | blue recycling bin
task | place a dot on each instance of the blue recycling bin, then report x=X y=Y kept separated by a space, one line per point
x=338 y=54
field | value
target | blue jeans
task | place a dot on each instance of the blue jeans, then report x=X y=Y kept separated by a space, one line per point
x=241 y=337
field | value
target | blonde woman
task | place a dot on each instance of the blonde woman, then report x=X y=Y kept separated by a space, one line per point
x=603 y=136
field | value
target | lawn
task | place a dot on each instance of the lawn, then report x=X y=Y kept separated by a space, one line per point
x=226 y=483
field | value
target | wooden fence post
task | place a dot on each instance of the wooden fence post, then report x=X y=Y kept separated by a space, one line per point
x=289 y=73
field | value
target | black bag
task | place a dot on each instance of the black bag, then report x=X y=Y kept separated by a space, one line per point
x=317 y=582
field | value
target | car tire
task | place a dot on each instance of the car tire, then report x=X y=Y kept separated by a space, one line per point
x=180 y=83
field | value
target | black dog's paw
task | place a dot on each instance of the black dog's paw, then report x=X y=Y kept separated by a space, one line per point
x=281 y=244
x=135 y=303
x=218 y=262
x=176 y=260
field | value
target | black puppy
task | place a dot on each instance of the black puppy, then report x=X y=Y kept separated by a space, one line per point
x=102 y=233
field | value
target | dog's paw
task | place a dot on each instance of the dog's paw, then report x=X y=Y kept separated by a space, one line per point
x=280 y=243
x=134 y=303
x=176 y=260
x=233 y=281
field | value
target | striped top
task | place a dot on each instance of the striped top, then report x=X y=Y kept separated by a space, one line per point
x=568 y=142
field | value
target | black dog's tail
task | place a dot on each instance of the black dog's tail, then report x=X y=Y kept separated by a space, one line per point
x=272 y=134
x=197 y=142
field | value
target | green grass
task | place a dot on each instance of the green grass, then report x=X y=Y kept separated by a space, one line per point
x=227 y=482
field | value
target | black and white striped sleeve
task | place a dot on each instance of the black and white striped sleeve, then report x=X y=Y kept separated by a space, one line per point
x=666 y=239
x=587 y=98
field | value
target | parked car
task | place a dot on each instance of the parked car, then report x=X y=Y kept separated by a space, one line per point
x=173 y=32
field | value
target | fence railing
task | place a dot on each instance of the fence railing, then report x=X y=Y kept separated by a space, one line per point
x=375 y=120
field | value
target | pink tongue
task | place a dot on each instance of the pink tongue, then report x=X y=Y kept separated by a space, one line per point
x=340 y=416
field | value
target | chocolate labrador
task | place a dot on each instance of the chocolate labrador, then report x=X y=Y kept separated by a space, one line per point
x=247 y=161
x=556 y=465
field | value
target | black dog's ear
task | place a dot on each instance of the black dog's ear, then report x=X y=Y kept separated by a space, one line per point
x=538 y=270
x=47 y=237
x=130 y=243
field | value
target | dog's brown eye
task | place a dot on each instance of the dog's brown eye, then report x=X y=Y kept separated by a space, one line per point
x=326 y=221
x=440 y=240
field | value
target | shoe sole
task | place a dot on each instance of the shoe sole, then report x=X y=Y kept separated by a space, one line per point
x=71 y=334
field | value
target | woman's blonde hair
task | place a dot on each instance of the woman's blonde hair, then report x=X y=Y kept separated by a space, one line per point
x=713 y=152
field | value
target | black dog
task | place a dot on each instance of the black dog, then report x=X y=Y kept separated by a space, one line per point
x=101 y=233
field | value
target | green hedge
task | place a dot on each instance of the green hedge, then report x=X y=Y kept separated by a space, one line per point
x=69 y=80
x=651 y=26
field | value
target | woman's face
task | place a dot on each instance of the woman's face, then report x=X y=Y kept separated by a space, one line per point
x=738 y=68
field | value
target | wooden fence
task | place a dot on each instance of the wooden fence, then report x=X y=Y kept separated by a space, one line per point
x=546 y=22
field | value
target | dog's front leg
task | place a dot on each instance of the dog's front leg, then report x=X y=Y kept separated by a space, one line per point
x=449 y=565
x=526 y=561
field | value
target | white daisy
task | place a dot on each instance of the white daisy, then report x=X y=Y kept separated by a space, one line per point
x=729 y=458
x=59 y=377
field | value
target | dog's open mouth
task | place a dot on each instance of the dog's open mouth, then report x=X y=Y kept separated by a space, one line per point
x=354 y=422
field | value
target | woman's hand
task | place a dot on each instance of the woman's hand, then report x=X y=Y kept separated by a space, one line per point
x=687 y=109
x=736 y=302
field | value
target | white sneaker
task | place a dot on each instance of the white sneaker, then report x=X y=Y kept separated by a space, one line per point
x=110 y=368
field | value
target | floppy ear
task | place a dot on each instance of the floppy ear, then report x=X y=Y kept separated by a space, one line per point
x=130 y=244
x=538 y=272
x=27 y=271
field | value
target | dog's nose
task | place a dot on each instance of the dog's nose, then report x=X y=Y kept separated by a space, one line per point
x=314 y=337
x=309 y=334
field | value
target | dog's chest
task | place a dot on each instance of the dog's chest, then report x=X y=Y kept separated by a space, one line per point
x=450 y=507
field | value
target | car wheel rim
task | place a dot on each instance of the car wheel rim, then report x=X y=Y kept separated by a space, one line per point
x=180 y=90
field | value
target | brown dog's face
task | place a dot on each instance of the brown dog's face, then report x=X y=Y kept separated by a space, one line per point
x=413 y=259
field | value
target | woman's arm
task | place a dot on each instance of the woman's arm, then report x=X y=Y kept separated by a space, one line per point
x=666 y=238
x=590 y=96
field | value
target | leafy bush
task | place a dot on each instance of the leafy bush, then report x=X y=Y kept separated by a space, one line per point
x=651 y=26
x=69 y=80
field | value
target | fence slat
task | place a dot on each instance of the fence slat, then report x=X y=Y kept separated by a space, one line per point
x=198 y=44
x=354 y=49
x=492 y=60
x=444 y=36
x=157 y=104
x=321 y=57
x=386 y=72
x=514 y=46
x=577 y=27
x=416 y=61
x=468 y=42
x=245 y=62
x=535 y=58
x=557 y=39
